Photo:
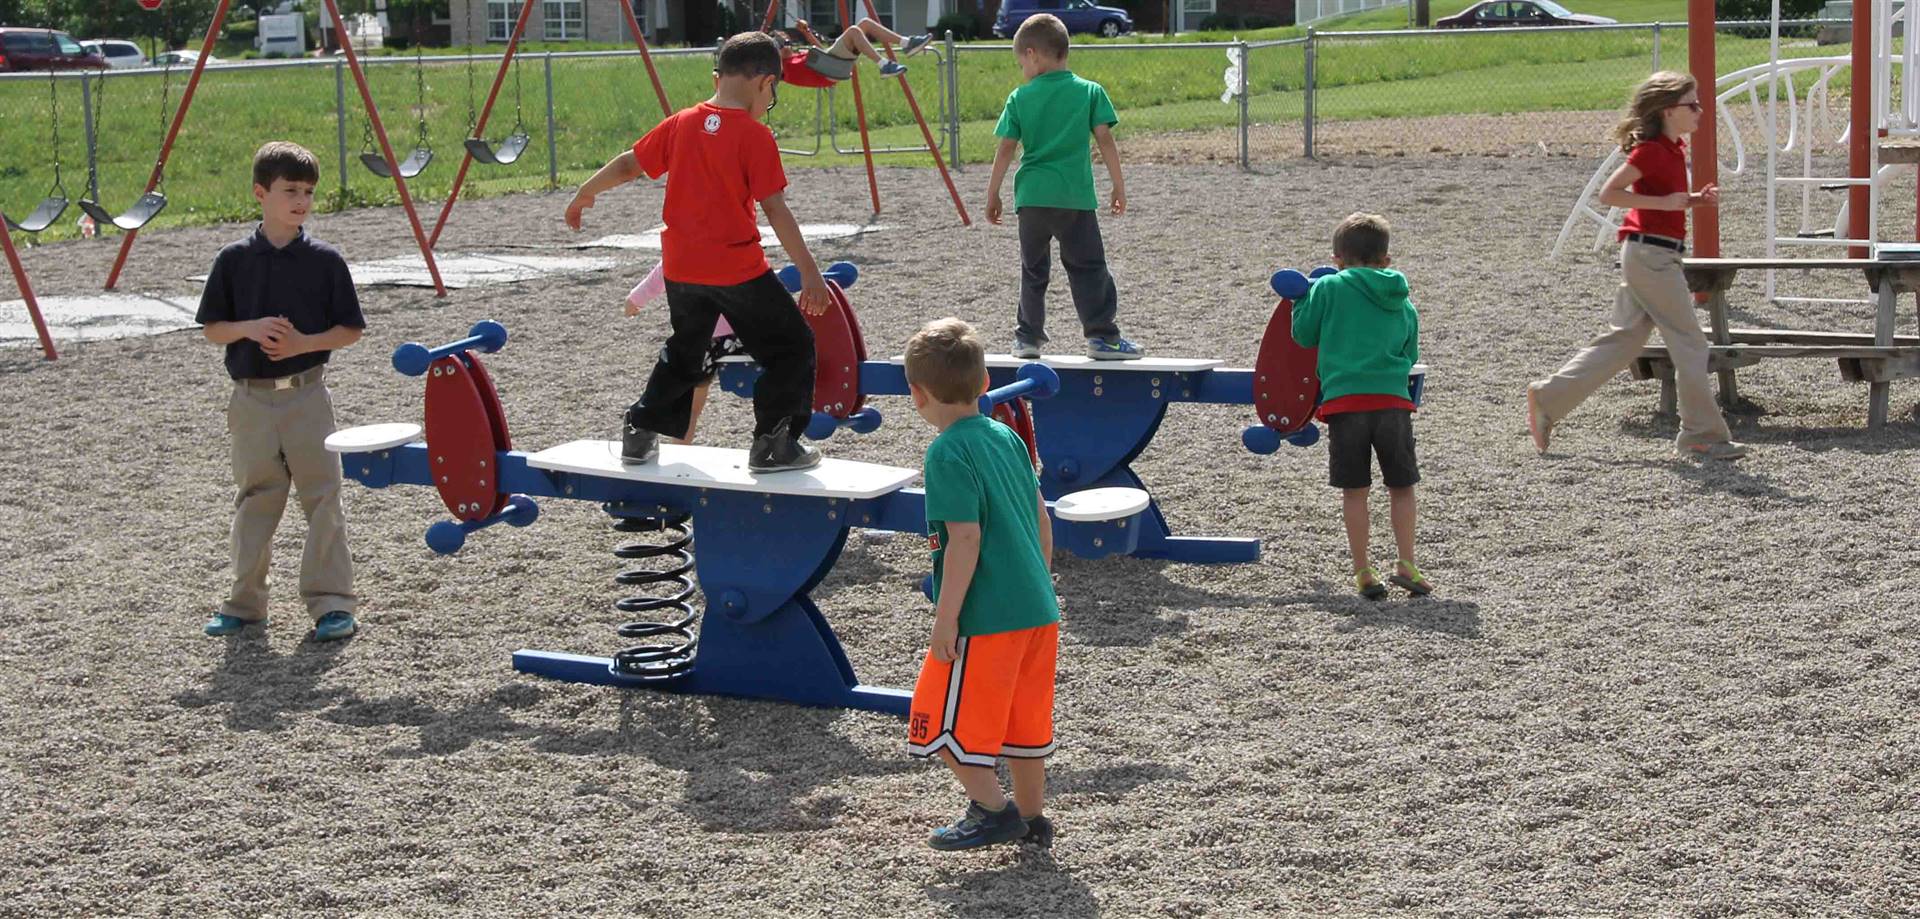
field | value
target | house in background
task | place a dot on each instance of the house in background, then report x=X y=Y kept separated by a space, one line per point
x=567 y=20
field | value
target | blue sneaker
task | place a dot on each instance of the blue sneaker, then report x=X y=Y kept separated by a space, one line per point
x=1114 y=349
x=980 y=827
x=1025 y=350
x=334 y=626
x=1039 y=832
x=223 y=624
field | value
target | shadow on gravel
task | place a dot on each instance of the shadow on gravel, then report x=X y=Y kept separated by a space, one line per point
x=1111 y=602
x=1436 y=613
x=1033 y=885
x=262 y=687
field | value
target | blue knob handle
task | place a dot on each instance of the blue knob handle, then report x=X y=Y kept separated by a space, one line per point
x=822 y=425
x=841 y=273
x=1036 y=379
x=413 y=358
x=447 y=536
x=1321 y=272
x=1260 y=439
x=1289 y=283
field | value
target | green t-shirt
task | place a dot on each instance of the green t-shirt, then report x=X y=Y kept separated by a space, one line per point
x=978 y=471
x=1052 y=116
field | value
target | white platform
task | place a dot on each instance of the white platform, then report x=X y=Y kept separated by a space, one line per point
x=97 y=317
x=1082 y=362
x=368 y=438
x=724 y=469
x=468 y=269
x=812 y=232
x=1097 y=504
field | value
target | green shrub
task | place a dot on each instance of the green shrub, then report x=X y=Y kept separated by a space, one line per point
x=1227 y=22
x=963 y=25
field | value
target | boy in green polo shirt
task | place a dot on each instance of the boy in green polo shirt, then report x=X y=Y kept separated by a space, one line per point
x=985 y=691
x=1049 y=117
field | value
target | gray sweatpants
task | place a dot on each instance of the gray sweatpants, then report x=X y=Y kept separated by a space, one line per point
x=1084 y=257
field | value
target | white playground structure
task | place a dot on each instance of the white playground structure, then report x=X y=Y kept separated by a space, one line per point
x=1813 y=135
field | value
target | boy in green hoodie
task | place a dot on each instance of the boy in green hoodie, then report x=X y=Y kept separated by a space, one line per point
x=1368 y=334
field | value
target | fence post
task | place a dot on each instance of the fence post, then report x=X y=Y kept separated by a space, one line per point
x=340 y=122
x=93 y=149
x=1656 y=47
x=1245 y=61
x=953 y=104
x=1307 y=120
x=553 y=157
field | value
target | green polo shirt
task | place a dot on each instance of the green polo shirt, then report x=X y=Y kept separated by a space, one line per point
x=1052 y=116
x=978 y=471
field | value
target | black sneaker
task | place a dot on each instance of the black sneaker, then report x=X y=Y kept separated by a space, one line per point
x=1039 y=832
x=638 y=446
x=779 y=451
x=980 y=827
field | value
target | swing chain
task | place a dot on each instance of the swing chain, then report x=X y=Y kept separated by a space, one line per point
x=166 y=94
x=99 y=102
x=53 y=102
x=419 y=83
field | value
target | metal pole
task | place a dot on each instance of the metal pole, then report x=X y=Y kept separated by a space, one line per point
x=26 y=291
x=93 y=149
x=553 y=157
x=953 y=103
x=1243 y=104
x=340 y=121
x=1656 y=46
x=1308 y=98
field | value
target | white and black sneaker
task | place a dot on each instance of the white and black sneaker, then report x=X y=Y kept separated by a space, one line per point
x=780 y=451
x=638 y=446
x=915 y=45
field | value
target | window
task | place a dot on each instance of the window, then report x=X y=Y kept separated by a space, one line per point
x=500 y=17
x=639 y=16
x=566 y=20
x=824 y=16
x=884 y=8
x=1193 y=12
x=68 y=46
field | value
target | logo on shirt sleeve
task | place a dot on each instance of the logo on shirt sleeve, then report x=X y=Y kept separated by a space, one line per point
x=933 y=542
x=713 y=123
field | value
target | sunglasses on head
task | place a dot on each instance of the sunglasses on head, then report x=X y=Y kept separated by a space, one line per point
x=1687 y=105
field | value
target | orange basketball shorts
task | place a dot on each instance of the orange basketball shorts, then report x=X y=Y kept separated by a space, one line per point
x=995 y=699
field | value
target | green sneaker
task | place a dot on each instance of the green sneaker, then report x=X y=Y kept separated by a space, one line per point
x=980 y=827
x=1368 y=583
x=334 y=626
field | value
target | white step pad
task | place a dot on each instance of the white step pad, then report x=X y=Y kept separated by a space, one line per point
x=724 y=469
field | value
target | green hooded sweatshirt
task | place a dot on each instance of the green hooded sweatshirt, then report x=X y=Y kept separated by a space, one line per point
x=1367 y=331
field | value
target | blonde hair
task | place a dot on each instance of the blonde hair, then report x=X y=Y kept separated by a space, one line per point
x=1361 y=239
x=948 y=360
x=1646 y=109
x=1045 y=33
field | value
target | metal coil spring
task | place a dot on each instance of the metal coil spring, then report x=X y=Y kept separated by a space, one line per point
x=674 y=645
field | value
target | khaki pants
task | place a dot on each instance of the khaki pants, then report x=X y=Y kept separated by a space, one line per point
x=1654 y=296
x=279 y=441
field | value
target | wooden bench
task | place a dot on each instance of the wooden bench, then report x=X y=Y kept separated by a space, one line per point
x=1876 y=359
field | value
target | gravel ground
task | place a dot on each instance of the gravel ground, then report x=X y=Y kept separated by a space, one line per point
x=1644 y=687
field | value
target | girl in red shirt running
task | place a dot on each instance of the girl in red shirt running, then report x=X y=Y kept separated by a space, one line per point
x=1652 y=184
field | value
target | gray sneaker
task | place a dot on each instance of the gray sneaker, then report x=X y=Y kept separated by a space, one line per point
x=892 y=68
x=780 y=451
x=915 y=45
x=1725 y=450
x=1026 y=350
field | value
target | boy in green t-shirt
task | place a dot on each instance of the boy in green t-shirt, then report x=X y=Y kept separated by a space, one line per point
x=1049 y=118
x=986 y=689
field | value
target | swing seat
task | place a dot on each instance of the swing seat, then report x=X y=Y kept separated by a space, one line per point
x=133 y=218
x=42 y=216
x=409 y=167
x=508 y=151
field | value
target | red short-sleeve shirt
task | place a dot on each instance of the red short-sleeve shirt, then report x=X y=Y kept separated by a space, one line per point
x=1663 y=171
x=718 y=162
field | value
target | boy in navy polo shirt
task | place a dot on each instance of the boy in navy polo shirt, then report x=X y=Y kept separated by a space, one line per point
x=281 y=302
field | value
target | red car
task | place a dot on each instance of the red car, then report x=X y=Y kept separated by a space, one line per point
x=1494 y=14
x=43 y=49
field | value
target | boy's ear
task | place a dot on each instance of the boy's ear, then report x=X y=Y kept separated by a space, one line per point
x=259 y=192
x=986 y=381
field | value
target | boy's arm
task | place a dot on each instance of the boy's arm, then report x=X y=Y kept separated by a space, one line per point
x=617 y=172
x=1110 y=154
x=1413 y=335
x=295 y=343
x=262 y=331
x=1002 y=159
x=813 y=288
x=1306 y=320
x=956 y=575
x=1046 y=531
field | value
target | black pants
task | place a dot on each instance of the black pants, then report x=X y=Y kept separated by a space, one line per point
x=771 y=330
x=1084 y=257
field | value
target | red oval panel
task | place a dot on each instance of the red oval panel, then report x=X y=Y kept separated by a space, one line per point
x=838 y=350
x=1286 y=376
x=460 y=445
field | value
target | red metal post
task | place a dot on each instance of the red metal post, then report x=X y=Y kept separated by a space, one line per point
x=173 y=131
x=1864 y=131
x=26 y=291
x=480 y=126
x=386 y=149
x=925 y=132
x=640 y=41
x=1706 y=156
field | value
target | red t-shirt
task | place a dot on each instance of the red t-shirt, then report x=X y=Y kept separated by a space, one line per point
x=1365 y=402
x=1663 y=171
x=718 y=163
x=794 y=71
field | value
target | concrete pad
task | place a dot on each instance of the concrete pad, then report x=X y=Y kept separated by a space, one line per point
x=467 y=269
x=813 y=232
x=97 y=317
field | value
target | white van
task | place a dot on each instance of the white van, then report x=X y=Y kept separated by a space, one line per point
x=119 y=54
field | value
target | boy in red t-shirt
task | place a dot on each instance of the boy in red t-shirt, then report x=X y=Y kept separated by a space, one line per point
x=719 y=160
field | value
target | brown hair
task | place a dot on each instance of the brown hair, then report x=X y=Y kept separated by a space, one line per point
x=283 y=159
x=1647 y=106
x=948 y=360
x=1361 y=239
x=1043 y=32
x=748 y=54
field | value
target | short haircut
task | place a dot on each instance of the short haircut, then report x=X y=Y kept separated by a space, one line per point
x=749 y=54
x=948 y=360
x=1043 y=32
x=284 y=159
x=1362 y=239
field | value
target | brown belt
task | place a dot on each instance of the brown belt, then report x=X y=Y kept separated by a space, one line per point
x=303 y=378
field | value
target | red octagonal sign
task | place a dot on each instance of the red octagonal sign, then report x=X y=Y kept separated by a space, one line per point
x=150 y=4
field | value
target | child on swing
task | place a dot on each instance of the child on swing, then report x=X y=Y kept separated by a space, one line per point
x=806 y=64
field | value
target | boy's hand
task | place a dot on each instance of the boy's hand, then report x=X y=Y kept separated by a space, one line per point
x=1706 y=197
x=994 y=210
x=632 y=310
x=576 y=208
x=946 y=639
x=814 y=298
x=292 y=344
x=268 y=330
x=1678 y=201
x=1119 y=201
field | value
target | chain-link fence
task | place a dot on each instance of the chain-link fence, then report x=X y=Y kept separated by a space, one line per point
x=1497 y=92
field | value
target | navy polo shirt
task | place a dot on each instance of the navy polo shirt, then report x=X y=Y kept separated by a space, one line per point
x=305 y=281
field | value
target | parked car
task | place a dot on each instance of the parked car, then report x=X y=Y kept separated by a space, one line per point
x=43 y=49
x=1079 y=15
x=182 y=59
x=119 y=54
x=1494 y=14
